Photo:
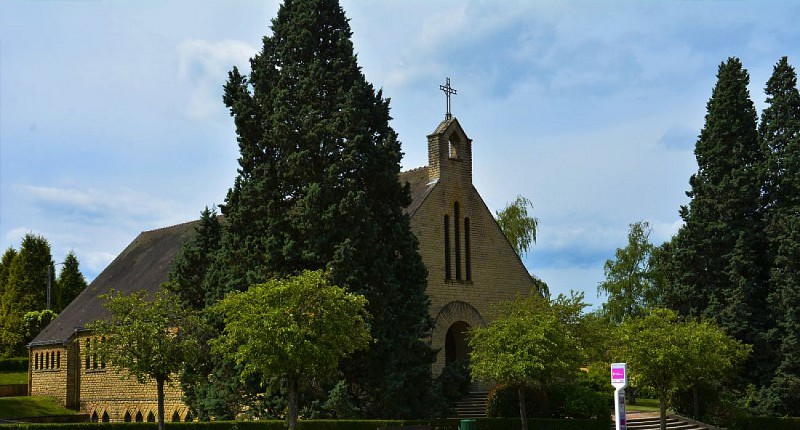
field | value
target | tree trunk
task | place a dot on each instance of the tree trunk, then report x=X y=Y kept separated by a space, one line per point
x=522 y=414
x=696 y=402
x=662 y=406
x=292 y=384
x=160 y=385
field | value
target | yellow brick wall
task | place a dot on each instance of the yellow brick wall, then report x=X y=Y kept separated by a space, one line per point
x=106 y=390
x=48 y=372
x=497 y=272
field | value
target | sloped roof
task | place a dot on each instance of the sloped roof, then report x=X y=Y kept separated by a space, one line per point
x=420 y=185
x=143 y=265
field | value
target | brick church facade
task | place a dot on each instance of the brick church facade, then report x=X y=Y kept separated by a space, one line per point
x=471 y=266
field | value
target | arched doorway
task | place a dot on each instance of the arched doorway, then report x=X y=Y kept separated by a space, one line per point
x=456 y=346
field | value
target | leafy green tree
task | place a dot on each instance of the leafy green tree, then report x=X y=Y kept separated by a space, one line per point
x=532 y=342
x=318 y=188
x=719 y=253
x=518 y=227
x=630 y=283
x=298 y=329
x=145 y=338
x=666 y=353
x=779 y=132
x=36 y=321
x=25 y=291
x=520 y=230
x=70 y=282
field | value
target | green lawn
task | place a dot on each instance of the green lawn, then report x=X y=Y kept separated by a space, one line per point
x=13 y=378
x=643 y=405
x=29 y=406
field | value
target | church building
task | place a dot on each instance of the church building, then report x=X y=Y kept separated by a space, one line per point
x=471 y=266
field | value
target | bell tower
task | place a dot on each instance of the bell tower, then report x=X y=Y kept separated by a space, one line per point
x=450 y=153
x=449 y=148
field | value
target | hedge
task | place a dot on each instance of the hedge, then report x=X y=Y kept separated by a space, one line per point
x=444 y=424
x=15 y=364
x=758 y=423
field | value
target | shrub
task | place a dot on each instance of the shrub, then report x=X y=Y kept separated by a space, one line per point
x=758 y=423
x=455 y=380
x=14 y=364
x=561 y=401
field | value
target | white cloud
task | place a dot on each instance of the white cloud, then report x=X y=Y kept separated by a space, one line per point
x=97 y=206
x=204 y=65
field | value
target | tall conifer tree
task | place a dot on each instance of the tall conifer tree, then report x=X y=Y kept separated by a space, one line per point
x=719 y=251
x=188 y=272
x=25 y=290
x=318 y=189
x=779 y=132
x=70 y=282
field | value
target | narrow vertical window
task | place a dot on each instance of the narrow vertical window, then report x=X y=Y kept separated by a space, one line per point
x=103 y=359
x=456 y=221
x=467 y=260
x=86 y=359
x=447 y=247
x=46 y=360
x=58 y=359
x=36 y=361
x=41 y=361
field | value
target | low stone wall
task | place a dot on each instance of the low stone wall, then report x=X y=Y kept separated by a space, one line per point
x=13 y=390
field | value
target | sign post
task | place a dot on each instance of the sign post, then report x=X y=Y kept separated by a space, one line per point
x=619 y=380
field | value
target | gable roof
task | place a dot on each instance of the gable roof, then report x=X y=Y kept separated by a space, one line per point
x=421 y=186
x=143 y=265
x=146 y=262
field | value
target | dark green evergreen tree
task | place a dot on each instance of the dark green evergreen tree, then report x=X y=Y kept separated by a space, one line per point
x=25 y=290
x=70 y=282
x=779 y=132
x=5 y=266
x=188 y=272
x=318 y=188
x=719 y=252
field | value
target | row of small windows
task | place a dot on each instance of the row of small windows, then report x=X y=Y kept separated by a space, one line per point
x=139 y=418
x=90 y=361
x=47 y=360
x=448 y=269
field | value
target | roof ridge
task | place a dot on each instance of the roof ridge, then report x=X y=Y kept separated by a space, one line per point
x=414 y=169
x=169 y=226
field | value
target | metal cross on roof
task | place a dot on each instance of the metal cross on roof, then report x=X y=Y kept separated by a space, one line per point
x=447 y=91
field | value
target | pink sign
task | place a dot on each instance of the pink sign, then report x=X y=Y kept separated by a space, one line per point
x=618 y=376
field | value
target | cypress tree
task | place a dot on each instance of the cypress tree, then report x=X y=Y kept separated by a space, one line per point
x=779 y=132
x=719 y=251
x=317 y=188
x=70 y=282
x=188 y=271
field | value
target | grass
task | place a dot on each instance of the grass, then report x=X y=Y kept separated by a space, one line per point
x=31 y=406
x=8 y=378
x=643 y=405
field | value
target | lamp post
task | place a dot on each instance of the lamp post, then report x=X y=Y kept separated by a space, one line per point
x=49 y=281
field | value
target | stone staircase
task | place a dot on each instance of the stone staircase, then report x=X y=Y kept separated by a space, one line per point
x=653 y=423
x=473 y=405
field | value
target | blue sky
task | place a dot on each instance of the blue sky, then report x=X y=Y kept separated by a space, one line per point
x=111 y=119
